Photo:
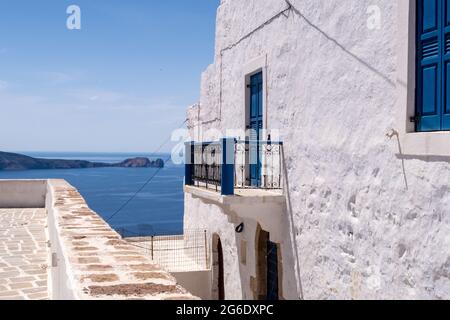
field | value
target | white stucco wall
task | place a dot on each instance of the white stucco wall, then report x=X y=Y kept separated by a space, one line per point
x=370 y=222
x=196 y=282
x=22 y=193
x=212 y=218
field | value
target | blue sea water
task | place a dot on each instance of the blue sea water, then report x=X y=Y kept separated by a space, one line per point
x=157 y=210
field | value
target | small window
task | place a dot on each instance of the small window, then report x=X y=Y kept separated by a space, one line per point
x=433 y=66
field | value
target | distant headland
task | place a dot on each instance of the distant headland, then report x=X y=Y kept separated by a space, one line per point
x=14 y=161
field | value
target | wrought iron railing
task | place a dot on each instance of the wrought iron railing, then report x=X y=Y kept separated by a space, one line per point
x=233 y=164
x=263 y=159
x=206 y=164
x=179 y=253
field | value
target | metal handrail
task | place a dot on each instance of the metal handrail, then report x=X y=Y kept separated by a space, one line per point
x=269 y=162
x=260 y=141
x=209 y=164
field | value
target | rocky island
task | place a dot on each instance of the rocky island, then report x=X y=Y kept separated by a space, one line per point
x=14 y=161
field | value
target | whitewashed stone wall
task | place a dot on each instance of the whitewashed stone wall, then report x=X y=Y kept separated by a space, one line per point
x=369 y=223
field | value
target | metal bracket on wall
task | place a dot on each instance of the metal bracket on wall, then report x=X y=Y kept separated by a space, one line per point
x=54 y=260
x=415 y=119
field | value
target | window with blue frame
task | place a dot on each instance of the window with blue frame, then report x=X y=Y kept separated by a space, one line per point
x=433 y=66
x=256 y=125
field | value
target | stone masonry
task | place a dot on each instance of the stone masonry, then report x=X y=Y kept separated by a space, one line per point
x=23 y=254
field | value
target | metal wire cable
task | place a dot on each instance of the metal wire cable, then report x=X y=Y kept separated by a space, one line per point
x=126 y=203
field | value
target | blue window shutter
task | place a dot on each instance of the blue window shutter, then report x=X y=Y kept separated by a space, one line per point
x=256 y=125
x=429 y=69
x=446 y=65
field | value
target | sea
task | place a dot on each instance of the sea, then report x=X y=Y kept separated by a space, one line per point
x=156 y=210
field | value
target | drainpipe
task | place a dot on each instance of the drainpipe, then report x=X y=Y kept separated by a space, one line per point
x=266 y=91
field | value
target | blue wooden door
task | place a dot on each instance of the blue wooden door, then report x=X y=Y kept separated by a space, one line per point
x=272 y=271
x=255 y=125
x=433 y=65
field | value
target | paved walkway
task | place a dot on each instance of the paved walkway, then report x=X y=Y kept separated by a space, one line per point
x=23 y=254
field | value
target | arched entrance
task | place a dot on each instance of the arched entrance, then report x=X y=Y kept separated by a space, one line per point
x=218 y=270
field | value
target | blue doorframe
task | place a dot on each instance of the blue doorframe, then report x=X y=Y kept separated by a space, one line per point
x=433 y=65
x=255 y=126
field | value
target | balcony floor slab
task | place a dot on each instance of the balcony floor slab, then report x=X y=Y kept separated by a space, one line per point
x=240 y=195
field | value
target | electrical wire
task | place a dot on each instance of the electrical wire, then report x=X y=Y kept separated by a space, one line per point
x=147 y=182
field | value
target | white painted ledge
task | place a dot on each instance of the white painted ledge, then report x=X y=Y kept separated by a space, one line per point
x=426 y=144
x=241 y=196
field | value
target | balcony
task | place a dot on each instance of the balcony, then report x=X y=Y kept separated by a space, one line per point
x=232 y=167
x=244 y=178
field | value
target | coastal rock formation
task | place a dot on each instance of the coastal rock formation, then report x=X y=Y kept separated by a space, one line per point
x=14 y=161
x=140 y=163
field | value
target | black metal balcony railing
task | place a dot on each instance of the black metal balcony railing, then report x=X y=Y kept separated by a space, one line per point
x=206 y=164
x=230 y=164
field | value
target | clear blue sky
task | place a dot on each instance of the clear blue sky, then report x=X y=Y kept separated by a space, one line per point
x=121 y=83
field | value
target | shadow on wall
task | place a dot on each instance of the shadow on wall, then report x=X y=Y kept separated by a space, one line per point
x=400 y=156
x=291 y=226
x=343 y=48
x=404 y=157
x=287 y=264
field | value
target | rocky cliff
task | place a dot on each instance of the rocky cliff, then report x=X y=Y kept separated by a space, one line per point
x=14 y=161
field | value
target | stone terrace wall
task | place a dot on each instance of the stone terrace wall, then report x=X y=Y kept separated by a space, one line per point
x=12 y=193
x=91 y=261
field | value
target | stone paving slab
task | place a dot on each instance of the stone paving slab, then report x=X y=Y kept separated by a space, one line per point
x=92 y=261
x=23 y=254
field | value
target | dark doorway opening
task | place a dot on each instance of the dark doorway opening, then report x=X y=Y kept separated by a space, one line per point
x=267 y=268
x=272 y=271
x=221 y=283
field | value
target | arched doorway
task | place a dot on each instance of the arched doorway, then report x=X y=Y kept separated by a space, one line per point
x=218 y=270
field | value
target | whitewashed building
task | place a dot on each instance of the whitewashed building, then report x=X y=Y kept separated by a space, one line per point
x=343 y=192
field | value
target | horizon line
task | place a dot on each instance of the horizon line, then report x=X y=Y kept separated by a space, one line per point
x=106 y=152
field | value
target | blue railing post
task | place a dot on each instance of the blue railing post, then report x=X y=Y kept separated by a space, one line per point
x=189 y=163
x=227 y=184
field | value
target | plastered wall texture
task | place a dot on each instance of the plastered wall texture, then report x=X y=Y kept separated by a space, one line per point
x=368 y=222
